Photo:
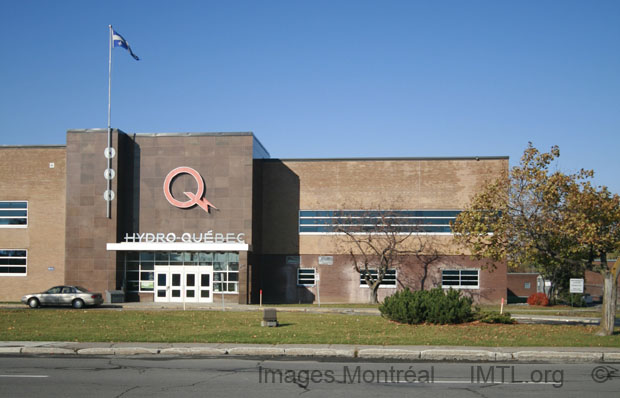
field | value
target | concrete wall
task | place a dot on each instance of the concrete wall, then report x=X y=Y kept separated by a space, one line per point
x=25 y=174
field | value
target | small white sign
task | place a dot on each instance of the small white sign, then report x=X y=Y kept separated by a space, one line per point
x=326 y=260
x=576 y=285
x=293 y=260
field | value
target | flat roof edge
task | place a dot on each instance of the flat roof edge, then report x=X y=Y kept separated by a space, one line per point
x=31 y=146
x=164 y=134
x=388 y=158
x=188 y=134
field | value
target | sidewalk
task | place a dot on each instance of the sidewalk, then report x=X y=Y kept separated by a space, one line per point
x=342 y=352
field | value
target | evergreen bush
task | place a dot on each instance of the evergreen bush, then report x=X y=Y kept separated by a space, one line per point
x=431 y=306
x=496 y=317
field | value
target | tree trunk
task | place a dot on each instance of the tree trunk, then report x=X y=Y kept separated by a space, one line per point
x=373 y=294
x=610 y=295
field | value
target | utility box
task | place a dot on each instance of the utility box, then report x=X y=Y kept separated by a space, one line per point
x=270 y=318
x=114 y=296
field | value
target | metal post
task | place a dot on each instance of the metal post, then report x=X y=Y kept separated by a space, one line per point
x=109 y=181
x=318 y=291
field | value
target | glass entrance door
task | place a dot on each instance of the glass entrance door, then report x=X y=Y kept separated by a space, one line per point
x=161 y=284
x=176 y=284
x=205 y=287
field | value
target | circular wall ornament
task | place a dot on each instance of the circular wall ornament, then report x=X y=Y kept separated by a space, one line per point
x=109 y=174
x=109 y=153
x=108 y=195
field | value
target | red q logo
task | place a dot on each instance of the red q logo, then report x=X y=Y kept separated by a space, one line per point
x=194 y=198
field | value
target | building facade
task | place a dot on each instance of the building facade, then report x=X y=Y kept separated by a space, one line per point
x=200 y=217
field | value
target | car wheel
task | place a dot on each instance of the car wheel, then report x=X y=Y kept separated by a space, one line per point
x=33 y=303
x=77 y=303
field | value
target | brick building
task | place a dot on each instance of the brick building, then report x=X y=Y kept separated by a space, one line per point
x=200 y=216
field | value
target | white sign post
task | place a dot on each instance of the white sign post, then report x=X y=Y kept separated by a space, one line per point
x=576 y=286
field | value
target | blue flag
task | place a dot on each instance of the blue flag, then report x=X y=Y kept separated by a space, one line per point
x=119 y=41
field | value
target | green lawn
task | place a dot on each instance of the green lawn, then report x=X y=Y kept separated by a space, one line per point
x=559 y=310
x=296 y=328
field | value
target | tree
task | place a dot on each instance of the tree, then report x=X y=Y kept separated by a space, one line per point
x=554 y=221
x=427 y=250
x=593 y=220
x=512 y=219
x=375 y=242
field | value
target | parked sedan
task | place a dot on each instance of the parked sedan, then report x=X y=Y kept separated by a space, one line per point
x=75 y=296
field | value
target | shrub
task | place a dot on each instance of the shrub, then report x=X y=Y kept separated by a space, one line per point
x=573 y=299
x=538 y=299
x=432 y=306
x=496 y=317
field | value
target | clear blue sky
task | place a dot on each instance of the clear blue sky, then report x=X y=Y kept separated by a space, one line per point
x=325 y=78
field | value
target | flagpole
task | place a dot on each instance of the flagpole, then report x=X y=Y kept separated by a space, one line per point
x=109 y=181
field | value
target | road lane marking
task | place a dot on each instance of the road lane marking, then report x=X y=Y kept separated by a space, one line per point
x=25 y=376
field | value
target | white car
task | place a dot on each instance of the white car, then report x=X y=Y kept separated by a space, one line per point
x=75 y=296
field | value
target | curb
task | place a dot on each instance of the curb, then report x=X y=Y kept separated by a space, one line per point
x=431 y=355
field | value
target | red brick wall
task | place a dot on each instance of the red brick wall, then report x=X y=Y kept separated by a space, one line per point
x=516 y=284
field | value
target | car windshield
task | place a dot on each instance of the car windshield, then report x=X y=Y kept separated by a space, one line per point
x=54 y=290
x=82 y=289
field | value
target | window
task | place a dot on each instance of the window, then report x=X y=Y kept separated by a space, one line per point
x=527 y=285
x=140 y=268
x=13 y=262
x=389 y=279
x=226 y=272
x=460 y=278
x=306 y=277
x=13 y=214
x=405 y=221
x=140 y=275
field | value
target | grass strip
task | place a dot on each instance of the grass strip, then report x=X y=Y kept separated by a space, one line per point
x=296 y=328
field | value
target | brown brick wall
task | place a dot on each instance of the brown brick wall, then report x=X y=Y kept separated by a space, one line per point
x=225 y=163
x=339 y=283
x=408 y=184
x=516 y=284
x=25 y=174
x=397 y=184
x=88 y=262
x=142 y=163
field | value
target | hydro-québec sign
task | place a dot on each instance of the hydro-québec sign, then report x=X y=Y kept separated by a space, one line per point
x=195 y=198
x=186 y=237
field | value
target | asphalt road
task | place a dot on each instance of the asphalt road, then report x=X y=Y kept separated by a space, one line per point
x=247 y=377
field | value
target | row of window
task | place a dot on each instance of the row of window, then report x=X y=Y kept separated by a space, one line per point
x=13 y=262
x=402 y=221
x=457 y=279
x=13 y=214
x=140 y=268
